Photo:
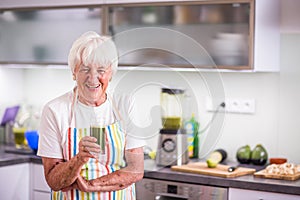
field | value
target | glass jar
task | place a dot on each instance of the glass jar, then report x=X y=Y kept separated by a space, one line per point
x=171 y=100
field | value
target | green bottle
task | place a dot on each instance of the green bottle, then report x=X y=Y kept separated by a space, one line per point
x=196 y=140
x=191 y=127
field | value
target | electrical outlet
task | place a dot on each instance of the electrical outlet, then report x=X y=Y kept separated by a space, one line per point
x=242 y=106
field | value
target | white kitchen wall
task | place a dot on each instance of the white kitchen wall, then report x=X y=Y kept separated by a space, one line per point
x=235 y=130
x=274 y=123
x=11 y=87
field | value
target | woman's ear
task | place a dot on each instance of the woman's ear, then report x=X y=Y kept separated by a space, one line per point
x=74 y=77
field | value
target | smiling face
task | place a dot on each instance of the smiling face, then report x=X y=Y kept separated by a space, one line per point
x=92 y=82
x=93 y=60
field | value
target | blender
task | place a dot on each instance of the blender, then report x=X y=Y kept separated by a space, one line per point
x=172 y=144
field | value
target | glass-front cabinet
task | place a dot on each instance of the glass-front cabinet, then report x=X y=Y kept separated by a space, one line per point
x=43 y=36
x=198 y=34
x=223 y=34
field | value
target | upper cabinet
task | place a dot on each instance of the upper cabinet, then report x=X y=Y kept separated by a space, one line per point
x=38 y=4
x=216 y=34
x=44 y=35
x=237 y=35
x=187 y=35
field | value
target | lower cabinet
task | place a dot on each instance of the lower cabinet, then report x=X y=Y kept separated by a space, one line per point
x=150 y=189
x=238 y=194
x=40 y=189
x=14 y=182
x=41 y=195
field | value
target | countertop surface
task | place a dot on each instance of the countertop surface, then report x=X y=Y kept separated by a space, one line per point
x=248 y=182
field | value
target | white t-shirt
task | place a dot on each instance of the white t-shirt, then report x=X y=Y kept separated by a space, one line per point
x=56 y=119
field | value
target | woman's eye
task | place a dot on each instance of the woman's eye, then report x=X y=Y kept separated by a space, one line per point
x=101 y=71
x=85 y=70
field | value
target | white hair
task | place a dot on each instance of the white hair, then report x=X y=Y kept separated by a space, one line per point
x=90 y=49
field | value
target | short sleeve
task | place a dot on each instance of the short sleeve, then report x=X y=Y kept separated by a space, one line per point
x=49 y=135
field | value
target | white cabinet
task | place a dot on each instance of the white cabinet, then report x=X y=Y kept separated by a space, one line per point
x=40 y=189
x=14 y=182
x=235 y=35
x=44 y=36
x=11 y=4
x=266 y=35
x=238 y=194
x=137 y=1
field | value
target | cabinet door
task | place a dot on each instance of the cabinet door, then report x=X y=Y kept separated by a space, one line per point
x=41 y=195
x=39 y=181
x=44 y=36
x=14 y=182
x=16 y=4
x=194 y=34
x=135 y=1
x=238 y=194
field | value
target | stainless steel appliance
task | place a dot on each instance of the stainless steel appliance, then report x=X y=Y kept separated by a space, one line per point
x=152 y=189
x=172 y=147
x=172 y=144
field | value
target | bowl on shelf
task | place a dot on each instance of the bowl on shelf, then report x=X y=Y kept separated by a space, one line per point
x=32 y=138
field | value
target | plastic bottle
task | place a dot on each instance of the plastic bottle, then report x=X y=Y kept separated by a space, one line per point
x=191 y=127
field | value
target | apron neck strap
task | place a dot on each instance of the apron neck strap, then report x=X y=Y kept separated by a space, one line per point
x=73 y=105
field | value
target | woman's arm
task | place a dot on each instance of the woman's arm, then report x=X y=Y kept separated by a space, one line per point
x=133 y=172
x=61 y=174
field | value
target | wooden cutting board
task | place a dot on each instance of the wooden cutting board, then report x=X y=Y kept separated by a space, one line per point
x=263 y=174
x=220 y=170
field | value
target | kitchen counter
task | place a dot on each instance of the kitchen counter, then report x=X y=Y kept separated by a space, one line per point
x=248 y=182
x=12 y=158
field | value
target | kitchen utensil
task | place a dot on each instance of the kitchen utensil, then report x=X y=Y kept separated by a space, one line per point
x=231 y=169
x=171 y=100
x=278 y=160
x=10 y=114
x=221 y=170
x=32 y=138
x=172 y=145
x=19 y=135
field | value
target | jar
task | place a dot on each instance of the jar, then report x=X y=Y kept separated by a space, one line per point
x=172 y=101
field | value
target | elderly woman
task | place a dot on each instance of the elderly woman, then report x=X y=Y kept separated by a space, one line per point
x=75 y=165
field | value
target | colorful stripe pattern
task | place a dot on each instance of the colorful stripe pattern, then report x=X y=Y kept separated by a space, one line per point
x=112 y=160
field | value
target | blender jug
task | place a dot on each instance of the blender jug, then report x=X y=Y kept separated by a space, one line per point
x=171 y=107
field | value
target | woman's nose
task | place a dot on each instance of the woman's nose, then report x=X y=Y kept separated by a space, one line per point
x=94 y=74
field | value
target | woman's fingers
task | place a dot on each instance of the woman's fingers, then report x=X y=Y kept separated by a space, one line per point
x=88 y=148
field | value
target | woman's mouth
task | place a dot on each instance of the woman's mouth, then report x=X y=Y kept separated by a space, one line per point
x=93 y=86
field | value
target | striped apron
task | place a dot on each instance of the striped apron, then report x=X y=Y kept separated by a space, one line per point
x=112 y=160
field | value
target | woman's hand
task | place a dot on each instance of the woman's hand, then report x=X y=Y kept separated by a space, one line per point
x=119 y=179
x=88 y=148
x=83 y=185
x=62 y=175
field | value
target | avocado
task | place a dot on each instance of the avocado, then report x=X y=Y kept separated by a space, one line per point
x=216 y=157
x=243 y=154
x=259 y=155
